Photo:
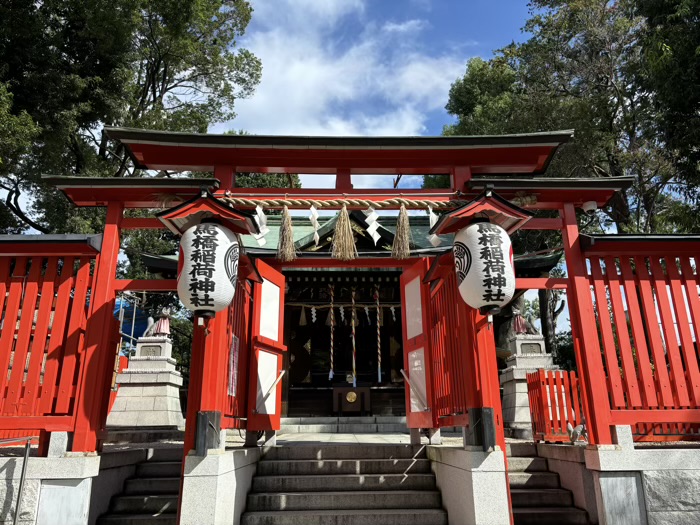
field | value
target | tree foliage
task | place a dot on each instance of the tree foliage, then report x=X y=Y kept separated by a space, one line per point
x=76 y=65
x=671 y=58
x=582 y=69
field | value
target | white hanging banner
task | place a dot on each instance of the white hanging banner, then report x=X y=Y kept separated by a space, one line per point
x=261 y=219
x=484 y=264
x=313 y=218
x=435 y=240
x=372 y=224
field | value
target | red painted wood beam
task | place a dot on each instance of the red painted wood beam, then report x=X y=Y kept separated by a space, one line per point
x=375 y=262
x=542 y=224
x=518 y=159
x=632 y=417
x=541 y=283
x=658 y=248
x=145 y=285
x=98 y=359
x=67 y=249
x=588 y=351
x=48 y=423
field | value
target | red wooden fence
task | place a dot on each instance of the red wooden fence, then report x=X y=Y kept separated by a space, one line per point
x=555 y=402
x=648 y=323
x=43 y=305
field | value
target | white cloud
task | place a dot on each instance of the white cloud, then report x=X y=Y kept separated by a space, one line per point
x=319 y=78
x=323 y=76
x=408 y=26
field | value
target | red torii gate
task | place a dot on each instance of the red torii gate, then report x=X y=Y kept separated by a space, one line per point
x=507 y=165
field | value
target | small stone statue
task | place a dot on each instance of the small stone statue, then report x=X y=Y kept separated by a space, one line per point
x=576 y=432
x=161 y=327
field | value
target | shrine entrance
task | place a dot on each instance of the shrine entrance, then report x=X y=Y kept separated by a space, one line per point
x=354 y=308
x=335 y=368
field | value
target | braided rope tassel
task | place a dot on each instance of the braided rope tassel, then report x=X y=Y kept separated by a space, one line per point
x=332 y=314
x=379 y=336
x=354 y=356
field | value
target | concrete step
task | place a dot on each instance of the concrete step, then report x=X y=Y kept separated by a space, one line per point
x=521 y=450
x=137 y=519
x=366 y=420
x=145 y=504
x=345 y=428
x=534 y=480
x=348 y=517
x=527 y=464
x=549 y=516
x=159 y=469
x=343 y=482
x=396 y=499
x=346 y=452
x=541 y=498
x=342 y=466
x=165 y=454
x=152 y=486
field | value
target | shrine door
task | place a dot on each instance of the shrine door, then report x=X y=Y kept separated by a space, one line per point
x=267 y=350
x=415 y=300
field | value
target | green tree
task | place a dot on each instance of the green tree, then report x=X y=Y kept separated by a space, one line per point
x=579 y=69
x=76 y=65
x=671 y=56
x=16 y=135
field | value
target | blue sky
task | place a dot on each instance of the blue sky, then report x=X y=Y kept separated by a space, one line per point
x=365 y=67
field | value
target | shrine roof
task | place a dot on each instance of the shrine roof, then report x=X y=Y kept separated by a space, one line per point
x=528 y=153
x=66 y=245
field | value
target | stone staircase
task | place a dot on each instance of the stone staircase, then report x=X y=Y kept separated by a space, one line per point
x=344 y=485
x=536 y=493
x=348 y=425
x=151 y=496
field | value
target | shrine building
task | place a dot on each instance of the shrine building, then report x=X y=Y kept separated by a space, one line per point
x=316 y=309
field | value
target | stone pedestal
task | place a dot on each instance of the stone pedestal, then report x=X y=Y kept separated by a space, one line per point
x=527 y=355
x=149 y=389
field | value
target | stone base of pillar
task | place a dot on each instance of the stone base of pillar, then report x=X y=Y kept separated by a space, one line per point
x=215 y=486
x=473 y=484
x=516 y=405
x=149 y=389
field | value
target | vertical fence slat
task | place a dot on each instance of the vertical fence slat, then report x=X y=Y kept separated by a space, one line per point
x=653 y=331
x=561 y=402
x=75 y=328
x=26 y=321
x=555 y=428
x=31 y=391
x=570 y=412
x=606 y=332
x=575 y=402
x=672 y=350
x=624 y=346
x=54 y=354
x=640 y=343
x=9 y=323
x=687 y=347
x=691 y=290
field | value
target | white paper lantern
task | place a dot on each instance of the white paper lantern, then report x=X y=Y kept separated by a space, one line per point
x=206 y=280
x=484 y=264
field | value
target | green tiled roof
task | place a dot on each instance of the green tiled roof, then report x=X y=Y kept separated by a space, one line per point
x=301 y=227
